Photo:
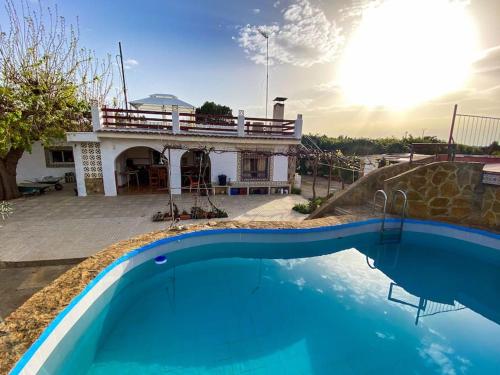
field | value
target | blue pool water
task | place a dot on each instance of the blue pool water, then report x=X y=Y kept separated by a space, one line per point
x=345 y=306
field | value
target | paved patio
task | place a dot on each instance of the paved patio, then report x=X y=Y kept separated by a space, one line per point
x=59 y=225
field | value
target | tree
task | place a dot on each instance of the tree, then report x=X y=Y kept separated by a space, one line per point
x=47 y=82
x=211 y=108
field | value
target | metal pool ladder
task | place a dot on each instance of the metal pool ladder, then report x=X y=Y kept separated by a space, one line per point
x=390 y=235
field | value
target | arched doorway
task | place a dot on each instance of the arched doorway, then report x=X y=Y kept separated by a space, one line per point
x=141 y=170
x=195 y=171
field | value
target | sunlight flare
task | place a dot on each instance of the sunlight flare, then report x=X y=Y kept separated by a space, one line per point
x=406 y=52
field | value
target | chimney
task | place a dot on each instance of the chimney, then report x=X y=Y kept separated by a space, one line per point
x=279 y=108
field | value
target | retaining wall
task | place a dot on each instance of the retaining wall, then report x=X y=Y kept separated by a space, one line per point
x=448 y=191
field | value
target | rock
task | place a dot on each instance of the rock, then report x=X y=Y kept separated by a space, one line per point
x=431 y=192
x=439 y=177
x=448 y=167
x=439 y=202
x=449 y=189
x=463 y=176
x=414 y=196
x=460 y=212
x=416 y=209
x=497 y=192
x=438 y=212
x=490 y=218
x=460 y=202
x=496 y=206
x=418 y=182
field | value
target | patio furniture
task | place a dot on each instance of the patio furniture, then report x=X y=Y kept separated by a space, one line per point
x=69 y=177
x=131 y=174
x=158 y=178
x=192 y=183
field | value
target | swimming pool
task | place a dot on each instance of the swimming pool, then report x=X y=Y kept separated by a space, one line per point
x=308 y=301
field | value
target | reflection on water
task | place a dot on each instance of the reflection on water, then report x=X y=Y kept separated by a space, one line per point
x=436 y=282
x=410 y=308
x=424 y=307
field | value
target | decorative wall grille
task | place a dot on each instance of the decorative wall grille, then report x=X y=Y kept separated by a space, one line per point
x=91 y=157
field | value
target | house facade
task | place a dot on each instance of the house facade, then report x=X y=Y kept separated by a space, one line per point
x=162 y=144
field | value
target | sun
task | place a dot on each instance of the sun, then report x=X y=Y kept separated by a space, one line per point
x=405 y=52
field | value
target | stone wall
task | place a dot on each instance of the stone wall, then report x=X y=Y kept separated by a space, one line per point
x=360 y=191
x=490 y=207
x=447 y=191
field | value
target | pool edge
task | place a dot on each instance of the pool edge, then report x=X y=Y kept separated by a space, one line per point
x=207 y=231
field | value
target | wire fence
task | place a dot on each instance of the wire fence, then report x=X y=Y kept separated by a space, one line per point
x=474 y=130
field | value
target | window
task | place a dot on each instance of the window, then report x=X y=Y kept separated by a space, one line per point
x=254 y=167
x=59 y=157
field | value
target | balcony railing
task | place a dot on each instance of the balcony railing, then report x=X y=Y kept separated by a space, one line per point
x=190 y=123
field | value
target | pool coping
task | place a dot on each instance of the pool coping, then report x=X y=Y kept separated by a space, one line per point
x=27 y=327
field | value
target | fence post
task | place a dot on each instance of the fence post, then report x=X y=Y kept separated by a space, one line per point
x=298 y=127
x=96 y=117
x=241 y=123
x=176 y=127
x=450 y=140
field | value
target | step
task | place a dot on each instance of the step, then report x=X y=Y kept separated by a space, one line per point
x=391 y=235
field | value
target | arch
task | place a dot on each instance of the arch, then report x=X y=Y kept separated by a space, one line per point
x=140 y=169
x=117 y=148
x=195 y=166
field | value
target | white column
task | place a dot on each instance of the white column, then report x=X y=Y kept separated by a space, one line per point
x=298 y=127
x=96 y=117
x=108 y=169
x=241 y=123
x=79 y=170
x=176 y=126
x=175 y=172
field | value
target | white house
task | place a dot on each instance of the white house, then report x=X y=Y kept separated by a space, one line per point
x=162 y=144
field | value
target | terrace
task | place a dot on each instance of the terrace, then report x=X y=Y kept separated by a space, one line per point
x=184 y=123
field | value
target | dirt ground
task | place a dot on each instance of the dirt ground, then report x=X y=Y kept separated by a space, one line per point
x=18 y=284
x=321 y=186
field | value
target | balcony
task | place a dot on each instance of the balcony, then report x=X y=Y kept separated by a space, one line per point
x=175 y=122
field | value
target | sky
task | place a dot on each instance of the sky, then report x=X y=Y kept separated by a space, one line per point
x=361 y=68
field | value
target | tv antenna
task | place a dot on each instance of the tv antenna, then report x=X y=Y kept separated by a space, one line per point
x=123 y=75
x=265 y=34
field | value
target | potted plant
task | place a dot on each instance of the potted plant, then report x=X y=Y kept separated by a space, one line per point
x=218 y=213
x=184 y=215
x=198 y=213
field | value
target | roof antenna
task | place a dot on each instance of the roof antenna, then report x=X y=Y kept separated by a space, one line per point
x=123 y=75
x=265 y=34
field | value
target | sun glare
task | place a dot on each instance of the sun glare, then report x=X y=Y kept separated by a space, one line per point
x=405 y=52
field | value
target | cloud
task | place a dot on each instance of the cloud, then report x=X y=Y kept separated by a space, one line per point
x=130 y=63
x=256 y=11
x=331 y=86
x=489 y=61
x=276 y=3
x=304 y=37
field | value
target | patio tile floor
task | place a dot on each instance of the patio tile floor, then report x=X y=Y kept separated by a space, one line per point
x=60 y=225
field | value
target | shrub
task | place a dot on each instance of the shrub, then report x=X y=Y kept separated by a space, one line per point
x=309 y=207
x=302 y=208
x=296 y=190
